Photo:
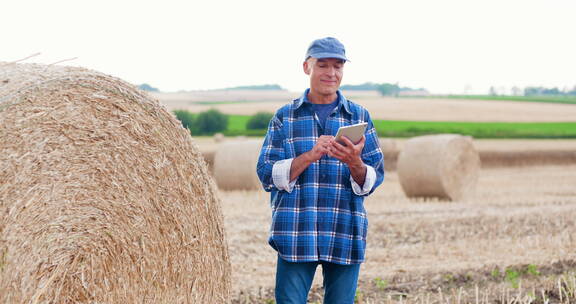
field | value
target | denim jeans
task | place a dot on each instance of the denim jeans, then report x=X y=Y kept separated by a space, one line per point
x=293 y=282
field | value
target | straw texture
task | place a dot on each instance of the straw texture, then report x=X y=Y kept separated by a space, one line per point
x=235 y=165
x=445 y=166
x=104 y=198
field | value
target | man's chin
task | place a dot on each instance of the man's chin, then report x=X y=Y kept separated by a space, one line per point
x=328 y=91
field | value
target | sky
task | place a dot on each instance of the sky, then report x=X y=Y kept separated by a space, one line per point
x=445 y=46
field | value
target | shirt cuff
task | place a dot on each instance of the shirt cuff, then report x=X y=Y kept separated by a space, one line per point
x=369 y=181
x=281 y=175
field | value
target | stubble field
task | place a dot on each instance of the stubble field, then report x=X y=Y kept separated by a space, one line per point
x=513 y=241
x=518 y=218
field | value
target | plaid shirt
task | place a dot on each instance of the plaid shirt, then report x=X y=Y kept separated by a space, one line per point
x=322 y=218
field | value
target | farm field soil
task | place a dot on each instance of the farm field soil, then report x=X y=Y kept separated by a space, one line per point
x=518 y=216
x=411 y=109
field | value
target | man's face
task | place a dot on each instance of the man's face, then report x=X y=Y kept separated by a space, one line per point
x=325 y=74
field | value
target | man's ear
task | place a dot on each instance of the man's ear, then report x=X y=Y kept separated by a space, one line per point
x=306 y=67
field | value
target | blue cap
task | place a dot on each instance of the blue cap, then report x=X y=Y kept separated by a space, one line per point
x=326 y=48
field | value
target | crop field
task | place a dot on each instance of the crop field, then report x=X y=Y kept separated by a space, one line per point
x=515 y=237
x=399 y=128
x=385 y=108
x=512 y=241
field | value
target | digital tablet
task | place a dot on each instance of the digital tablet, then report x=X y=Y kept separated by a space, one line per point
x=353 y=132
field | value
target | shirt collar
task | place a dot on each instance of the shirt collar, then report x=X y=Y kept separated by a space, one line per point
x=304 y=98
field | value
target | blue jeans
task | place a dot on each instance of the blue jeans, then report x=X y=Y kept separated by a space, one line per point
x=293 y=282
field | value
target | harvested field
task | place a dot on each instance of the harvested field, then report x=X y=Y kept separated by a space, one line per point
x=519 y=218
x=412 y=109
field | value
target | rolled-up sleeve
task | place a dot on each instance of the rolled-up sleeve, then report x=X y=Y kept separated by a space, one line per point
x=281 y=175
x=369 y=182
x=272 y=151
x=373 y=157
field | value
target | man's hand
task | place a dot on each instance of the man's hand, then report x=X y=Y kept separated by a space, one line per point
x=351 y=155
x=300 y=163
x=321 y=147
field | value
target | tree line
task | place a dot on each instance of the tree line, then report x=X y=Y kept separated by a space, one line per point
x=213 y=121
x=385 y=89
x=543 y=91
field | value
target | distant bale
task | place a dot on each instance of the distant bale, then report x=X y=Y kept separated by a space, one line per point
x=104 y=198
x=390 y=151
x=445 y=166
x=388 y=145
x=208 y=155
x=235 y=165
x=219 y=137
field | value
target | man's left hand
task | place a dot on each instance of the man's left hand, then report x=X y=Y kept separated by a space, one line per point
x=349 y=153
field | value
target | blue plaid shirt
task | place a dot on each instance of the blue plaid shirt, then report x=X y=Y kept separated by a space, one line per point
x=322 y=218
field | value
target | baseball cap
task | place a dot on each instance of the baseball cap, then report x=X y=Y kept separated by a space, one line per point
x=328 y=47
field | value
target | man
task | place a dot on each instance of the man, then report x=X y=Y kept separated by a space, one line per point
x=318 y=185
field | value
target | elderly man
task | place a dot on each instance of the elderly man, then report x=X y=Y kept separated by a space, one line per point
x=317 y=184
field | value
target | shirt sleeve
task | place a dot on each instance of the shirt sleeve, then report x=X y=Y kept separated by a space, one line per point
x=369 y=182
x=272 y=152
x=281 y=175
x=373 y=157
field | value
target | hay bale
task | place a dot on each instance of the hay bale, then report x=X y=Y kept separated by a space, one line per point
x=208 y=155
x=388 y=145
x=219 y=137
x=235 y=165
x=445 y=166
x=390 y=151
x=104 y=198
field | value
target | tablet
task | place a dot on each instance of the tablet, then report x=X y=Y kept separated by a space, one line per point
x=353 y=132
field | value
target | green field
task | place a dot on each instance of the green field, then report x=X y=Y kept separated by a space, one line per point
x=547 y=99
x=391 y=128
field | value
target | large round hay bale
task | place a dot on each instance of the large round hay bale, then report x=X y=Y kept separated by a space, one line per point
x=445 y=166
x=235 y=165
x=104 y=198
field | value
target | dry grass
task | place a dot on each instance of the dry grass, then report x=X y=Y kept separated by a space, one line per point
x=518 y=216
x=104 y=198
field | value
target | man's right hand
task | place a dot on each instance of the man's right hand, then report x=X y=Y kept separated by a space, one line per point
x=321 y=147
x=300 y=163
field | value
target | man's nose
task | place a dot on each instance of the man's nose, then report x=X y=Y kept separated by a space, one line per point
x=331 y=71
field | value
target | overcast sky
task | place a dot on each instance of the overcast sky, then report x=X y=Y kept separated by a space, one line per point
x=446 y=46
